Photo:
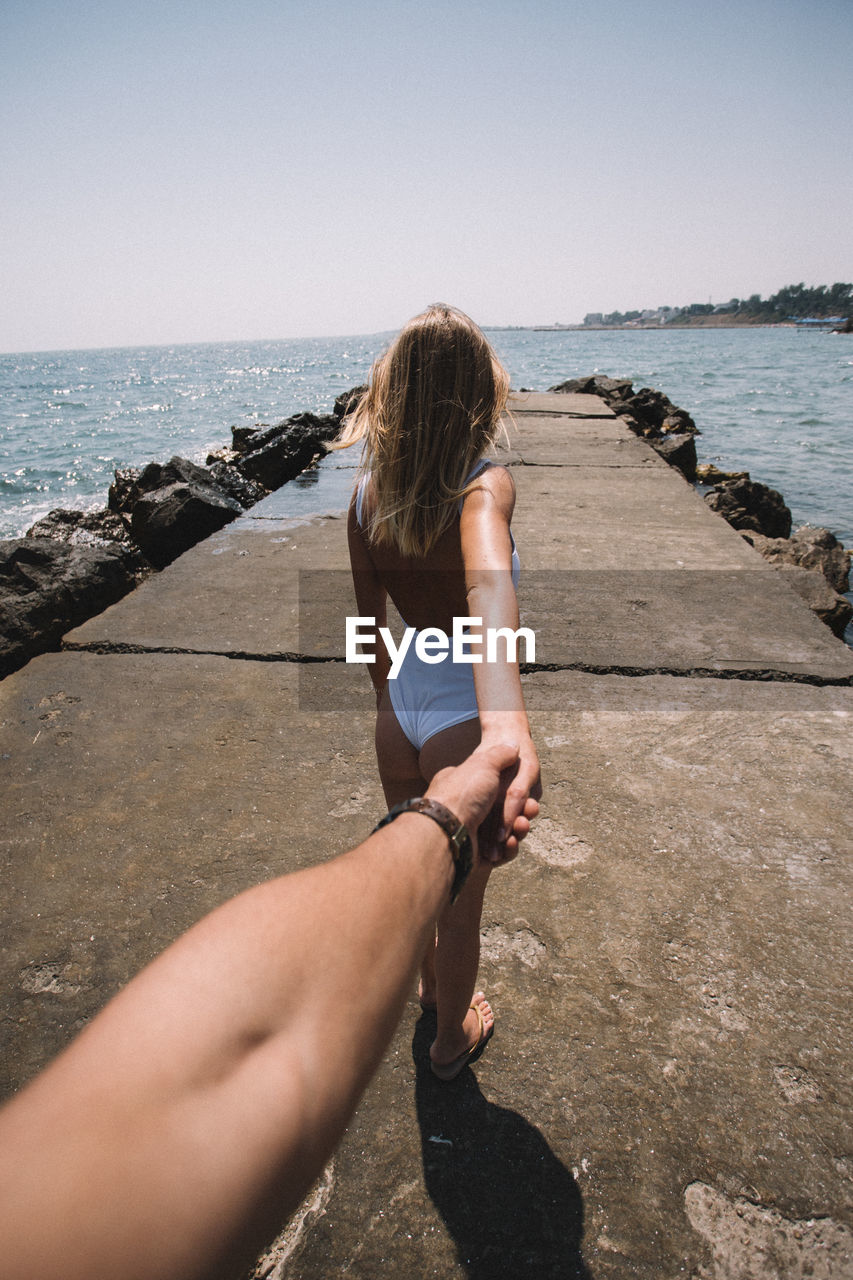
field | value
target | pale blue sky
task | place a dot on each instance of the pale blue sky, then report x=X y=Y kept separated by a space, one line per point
x=179 y=172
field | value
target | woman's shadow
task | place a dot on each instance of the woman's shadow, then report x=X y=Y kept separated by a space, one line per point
x=512 y=1208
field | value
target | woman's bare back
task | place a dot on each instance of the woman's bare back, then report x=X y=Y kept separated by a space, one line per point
x=430 y=591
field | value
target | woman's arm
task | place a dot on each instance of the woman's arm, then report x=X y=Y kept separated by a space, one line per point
x=370 y=596
x=487 y=557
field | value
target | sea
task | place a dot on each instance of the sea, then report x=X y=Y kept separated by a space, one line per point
x=774 y=401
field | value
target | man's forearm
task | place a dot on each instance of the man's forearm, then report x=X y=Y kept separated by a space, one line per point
x=208 y=1095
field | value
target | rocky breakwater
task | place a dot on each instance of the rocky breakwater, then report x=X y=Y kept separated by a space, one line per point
x=760 y=514
x=73 y=564
x=649 y=413
x=820 y=563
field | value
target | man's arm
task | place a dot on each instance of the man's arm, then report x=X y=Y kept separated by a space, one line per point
x=188 y=1120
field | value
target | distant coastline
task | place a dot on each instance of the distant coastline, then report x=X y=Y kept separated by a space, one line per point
x=794 y=306
x=692 y=322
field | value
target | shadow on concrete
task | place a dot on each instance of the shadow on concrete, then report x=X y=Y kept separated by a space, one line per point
x=512 y=1208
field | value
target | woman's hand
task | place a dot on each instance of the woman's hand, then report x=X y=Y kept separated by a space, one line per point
x=489 y=792
x=516 y=804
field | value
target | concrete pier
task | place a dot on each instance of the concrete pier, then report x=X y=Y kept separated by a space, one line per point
x=668 y=1089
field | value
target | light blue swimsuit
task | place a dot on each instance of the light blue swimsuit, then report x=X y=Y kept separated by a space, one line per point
x=428 y=697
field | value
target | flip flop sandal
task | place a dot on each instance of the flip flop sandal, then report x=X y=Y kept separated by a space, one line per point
x=450 y=1070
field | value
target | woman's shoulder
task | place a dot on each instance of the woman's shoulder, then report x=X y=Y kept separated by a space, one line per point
x=490 y=498
x=494 y=479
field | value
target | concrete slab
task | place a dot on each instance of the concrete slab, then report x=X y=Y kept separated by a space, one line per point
x=137 y=793
x=547 y=440
x=236 y=592
x=566 y=404
x=622 y=568
x=693 y=621
x=620 y=518
x=668 y=1084
x=667 y=1092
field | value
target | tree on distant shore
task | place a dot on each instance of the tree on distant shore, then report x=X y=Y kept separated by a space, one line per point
x=798 y=301
x=793 y=302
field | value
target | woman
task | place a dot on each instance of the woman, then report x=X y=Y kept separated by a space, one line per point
x=429 y=527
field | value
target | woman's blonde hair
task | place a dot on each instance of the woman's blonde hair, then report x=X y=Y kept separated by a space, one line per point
x=432 y=409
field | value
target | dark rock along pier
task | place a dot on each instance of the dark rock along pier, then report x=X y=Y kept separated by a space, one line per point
x=667 y=1092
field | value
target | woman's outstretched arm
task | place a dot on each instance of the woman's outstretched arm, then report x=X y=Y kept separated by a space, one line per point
x=487 y=557
x=179 y=1131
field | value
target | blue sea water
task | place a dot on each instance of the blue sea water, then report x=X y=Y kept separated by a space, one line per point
x=775 y=402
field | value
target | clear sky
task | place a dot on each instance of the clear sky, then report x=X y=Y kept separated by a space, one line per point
x=196 y=170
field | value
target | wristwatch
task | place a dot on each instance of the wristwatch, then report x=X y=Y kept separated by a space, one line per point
x=456 y=832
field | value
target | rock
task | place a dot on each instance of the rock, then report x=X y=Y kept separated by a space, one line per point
x=679 y=451
x=279 y=453
x=656 y=413
x=100 y=529
x=131 y=484
x=47 y=587
x=231 y=481
x=348 y=402
x=707 y=473
x=597 y=385
x=810 y=548
x=224 y=454
x=166 y=522
x=648 y=412
x=812 y=587
x=280 y=459
x=749 y=505
x=82 y=528
x=123 y=490
x=817 y=548
x=169 y=507
x=242 y=437
x=325 y=425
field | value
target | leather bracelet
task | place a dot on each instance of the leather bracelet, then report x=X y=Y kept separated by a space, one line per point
x=456 y=832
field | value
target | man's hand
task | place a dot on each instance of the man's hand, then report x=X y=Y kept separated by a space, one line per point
x=475 y=791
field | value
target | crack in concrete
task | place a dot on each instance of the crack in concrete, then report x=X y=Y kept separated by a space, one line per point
x=584 y=466
x=241 y=655
x=516 y=412
x=764 y=674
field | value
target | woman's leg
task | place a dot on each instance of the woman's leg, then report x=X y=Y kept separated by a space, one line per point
x=401 y=778
x=457 y=954
x=399 y=768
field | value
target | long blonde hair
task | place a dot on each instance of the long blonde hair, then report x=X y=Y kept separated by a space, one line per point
x=432 y=408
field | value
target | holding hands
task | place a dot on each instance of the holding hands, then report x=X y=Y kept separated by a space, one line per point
x=496 y=793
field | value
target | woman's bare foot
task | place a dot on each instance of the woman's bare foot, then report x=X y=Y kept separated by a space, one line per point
x=448 y=1057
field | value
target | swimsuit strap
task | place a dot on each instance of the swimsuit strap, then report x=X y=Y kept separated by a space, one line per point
x=482 y=465
x=359 y=498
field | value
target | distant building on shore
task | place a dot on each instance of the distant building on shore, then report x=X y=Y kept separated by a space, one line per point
x=653 y=318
